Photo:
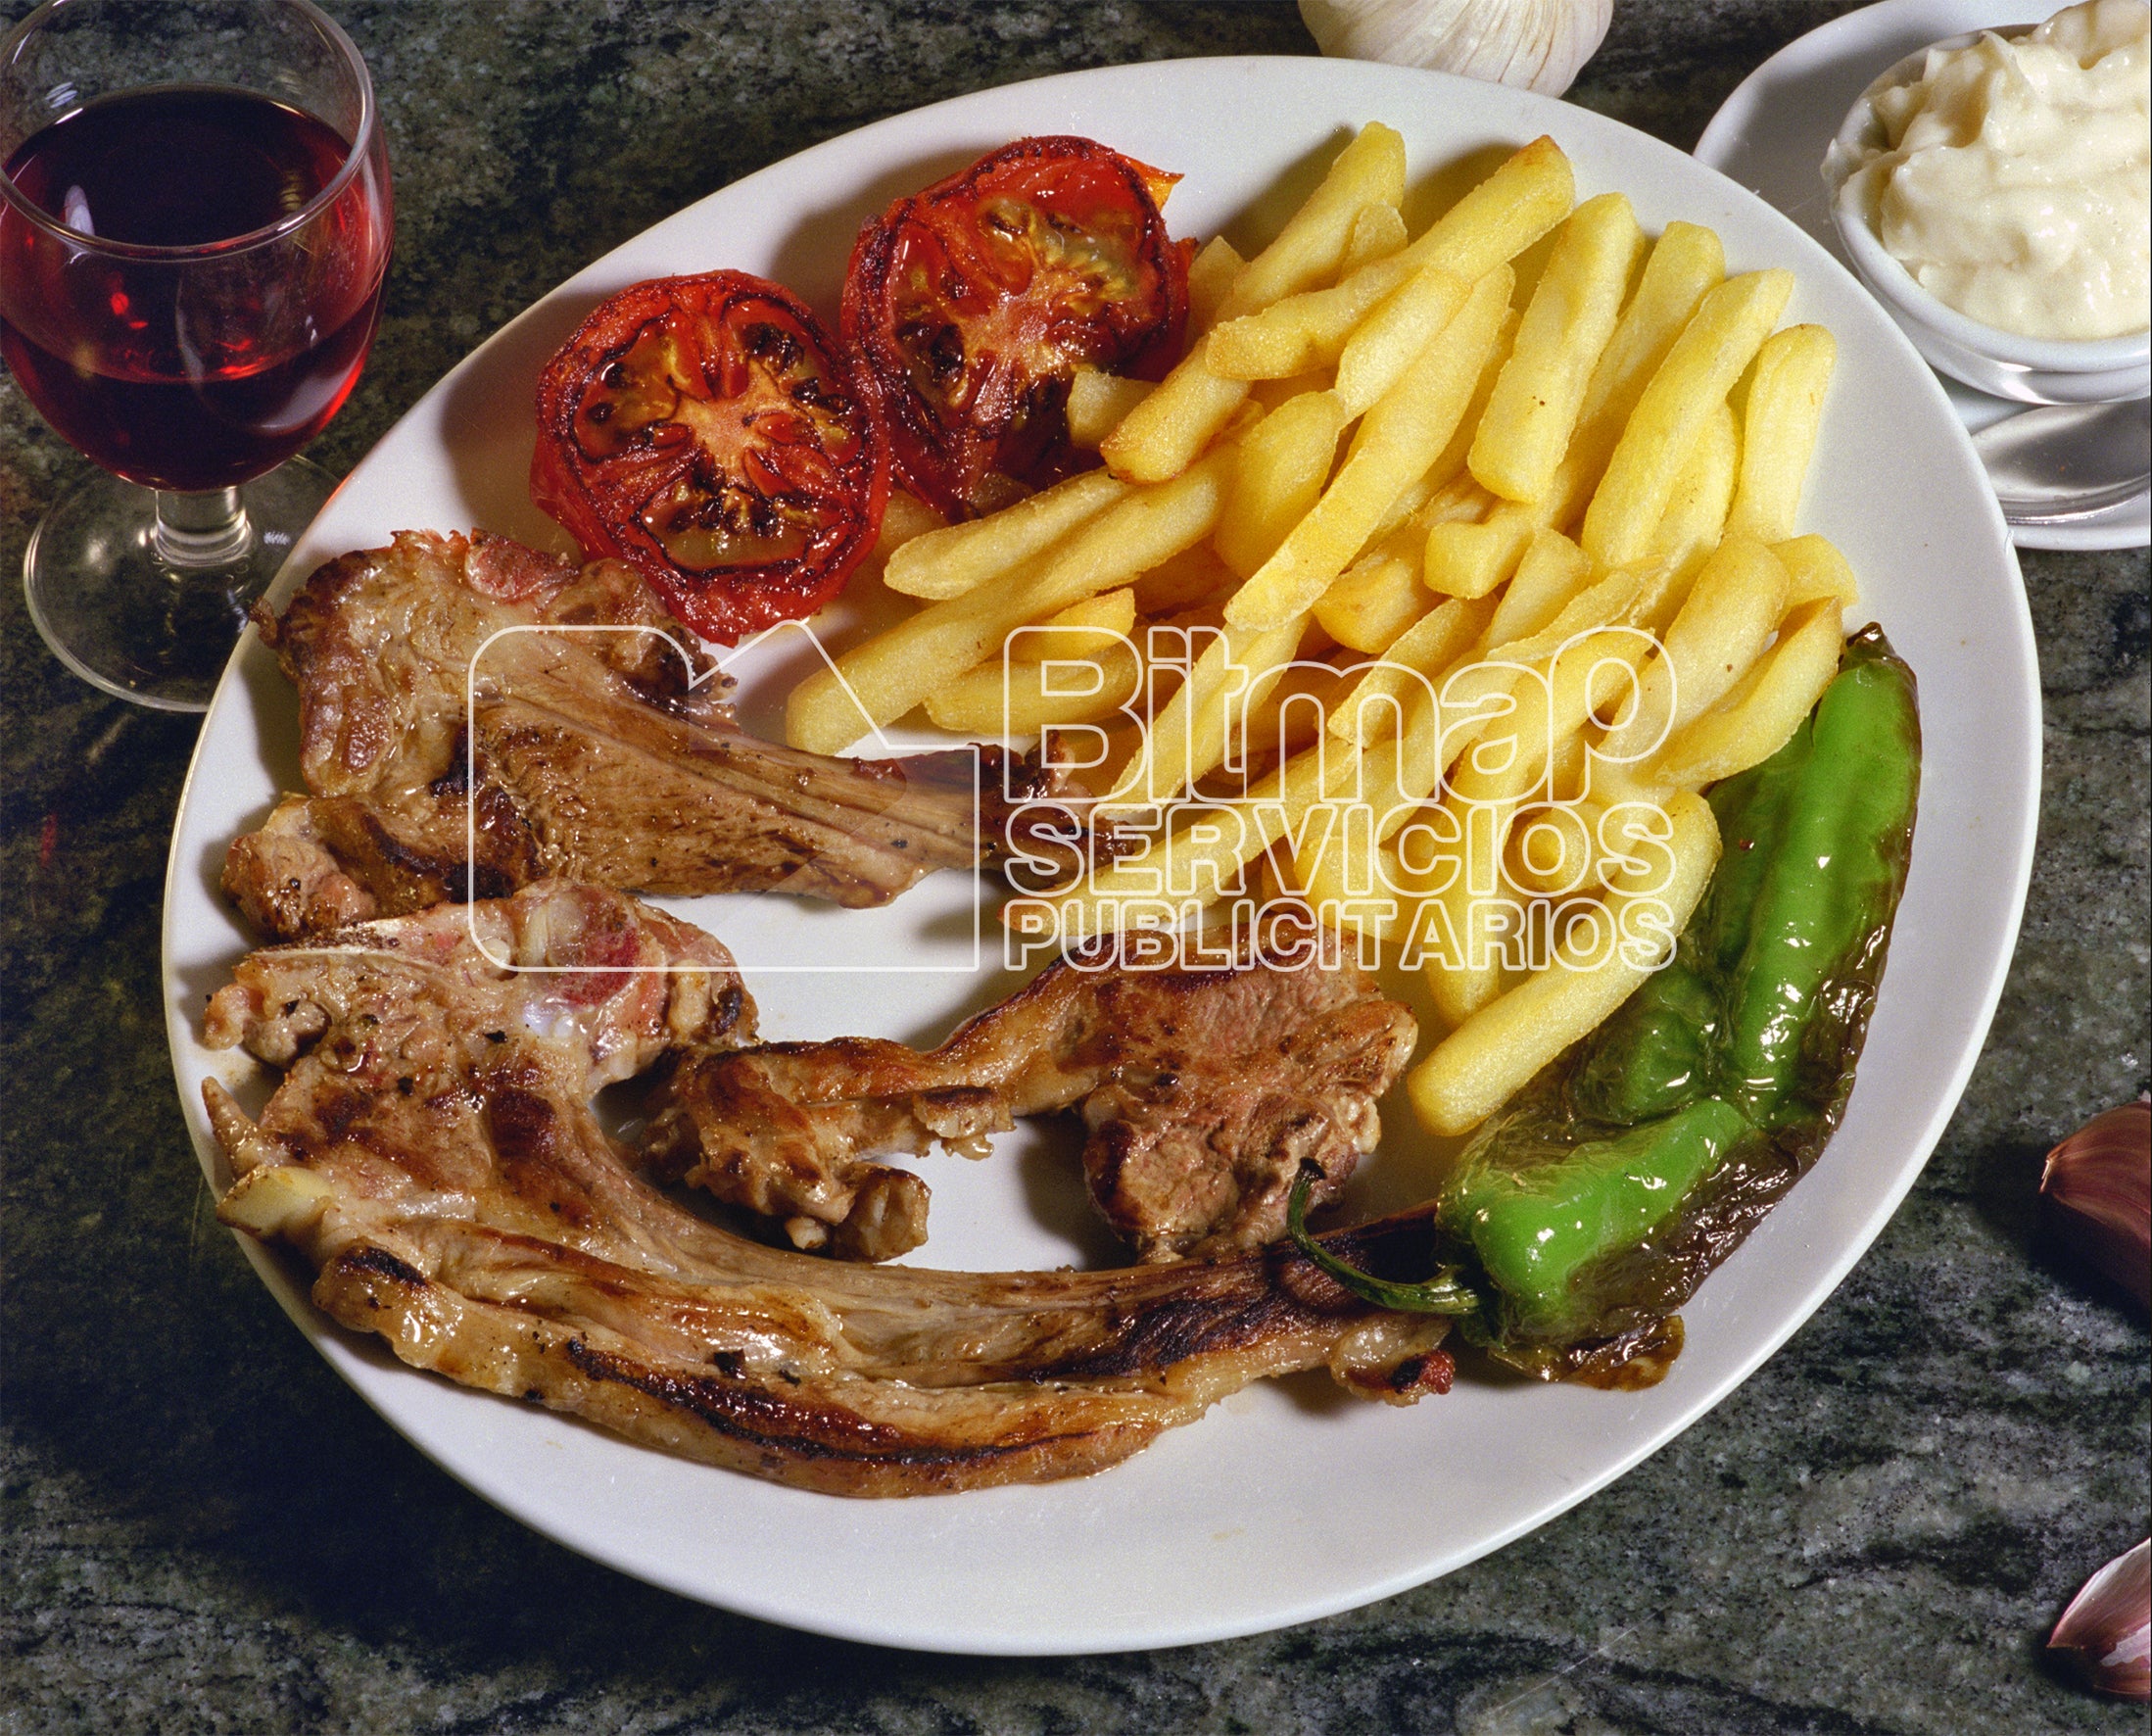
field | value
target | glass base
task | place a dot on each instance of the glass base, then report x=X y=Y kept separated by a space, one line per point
x=117 y=608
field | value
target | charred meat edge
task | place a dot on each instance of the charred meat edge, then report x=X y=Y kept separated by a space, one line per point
x=1204 y=1092
x=610 y=757
x=548 y=1271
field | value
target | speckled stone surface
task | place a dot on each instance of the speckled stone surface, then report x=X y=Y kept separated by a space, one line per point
x=201 y=1529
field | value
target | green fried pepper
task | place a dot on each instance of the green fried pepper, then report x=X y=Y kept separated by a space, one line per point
x=1590 y=1210
x=1536 y=1227
x=1840 y=821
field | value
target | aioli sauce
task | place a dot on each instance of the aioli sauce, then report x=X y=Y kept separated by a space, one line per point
x=2014 y=185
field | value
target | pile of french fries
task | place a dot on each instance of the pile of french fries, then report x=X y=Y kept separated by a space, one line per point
x=1488 y=585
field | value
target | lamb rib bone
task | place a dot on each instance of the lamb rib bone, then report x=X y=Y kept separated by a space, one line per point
x=1203 y=1093
x=597 y=756
x=432 y=1154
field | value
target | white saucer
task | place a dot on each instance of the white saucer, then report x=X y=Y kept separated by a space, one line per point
x=1770 y=136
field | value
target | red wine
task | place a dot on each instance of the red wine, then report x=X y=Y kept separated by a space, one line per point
x=199 y=369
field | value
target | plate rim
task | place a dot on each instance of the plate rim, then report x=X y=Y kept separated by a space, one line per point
x=355 y=1365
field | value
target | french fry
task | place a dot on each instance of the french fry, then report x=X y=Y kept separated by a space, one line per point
x=1485 y=674
x=1815 y=569
x=1285 y=461
x=1294 y=711
x=1162 y=436
x=1373 y=705
x=1549 y=709
x=1097 y=403
x=1540 y=742
x=1483 y=802
x=1467 y=558
x=1278 y=807
x=1434 y=498
x=1757 y=722
x=1397 y=774
x=1212 y=273
x=1159 y=437
x=1220 y=737
x=1685 y=264
x=1565 y=328
x=1701 y=368
x=1605 y=602
x=1193 y=734
x=1449 y=471
x=1400 y=770
x=1779 y=429
x=948 y=562
x=1183 y=580
x=1402 y=874
x=1738 y=599
x=1412 y=499
x=1084 y=684
x=1338 y=863
x=1494 y=222
x=1302 y=332
x=1397 y=440
x=1309 y=249
x=1540 y=748
x=1073 y=633
x=1487 y=1058
x=1666 y=584
x=1695 y=519
x=1379 y=232
x=1269 y=395
x=1378 y=596
x=1552 y=574
x=1395 y=332
x=1458 y=501
x=1458 y=983
x=1550 y=850
x=904 y=519
x=878 y=682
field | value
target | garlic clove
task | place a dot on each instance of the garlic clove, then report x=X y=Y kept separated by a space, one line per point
x=1533 y=44
x=2098 y=1187
x=2108 y=1627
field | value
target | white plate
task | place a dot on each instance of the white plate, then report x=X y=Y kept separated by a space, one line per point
x=1290 y=1501
x=1770 y=136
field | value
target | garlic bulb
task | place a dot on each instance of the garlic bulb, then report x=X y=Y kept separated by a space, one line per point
x=1533 y=44
x=2098 y=1189
x=2105 y=1630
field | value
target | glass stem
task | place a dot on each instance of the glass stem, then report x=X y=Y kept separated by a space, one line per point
x=197 y=531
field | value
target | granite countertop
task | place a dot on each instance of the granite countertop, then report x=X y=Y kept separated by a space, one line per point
x=201 y=1528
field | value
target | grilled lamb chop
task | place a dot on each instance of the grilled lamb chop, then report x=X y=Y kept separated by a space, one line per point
x=1204 y=1092
x=592 y=755
x=431 y=1153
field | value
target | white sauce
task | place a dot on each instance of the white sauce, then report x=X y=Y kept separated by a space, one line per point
x=2013 y=187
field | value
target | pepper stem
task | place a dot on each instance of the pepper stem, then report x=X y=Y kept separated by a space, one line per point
x=1442 y=1293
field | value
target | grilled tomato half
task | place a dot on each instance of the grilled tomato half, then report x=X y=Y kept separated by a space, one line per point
x=705 y=430
x=973 y=302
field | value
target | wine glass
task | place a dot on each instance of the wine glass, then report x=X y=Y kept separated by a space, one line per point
x=194 y=235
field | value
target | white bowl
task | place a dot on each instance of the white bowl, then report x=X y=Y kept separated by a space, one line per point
x=2031 y=370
